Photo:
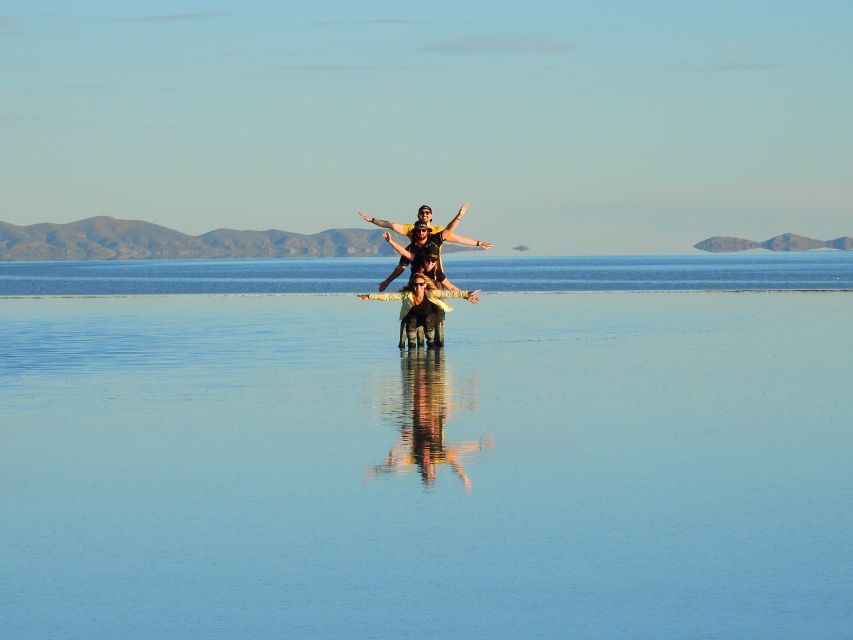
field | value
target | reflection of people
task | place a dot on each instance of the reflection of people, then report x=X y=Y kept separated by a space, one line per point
x=422 y=420
x=423 y=234
x=422 y=306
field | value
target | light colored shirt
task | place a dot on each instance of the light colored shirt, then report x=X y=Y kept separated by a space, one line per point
x=408 y=299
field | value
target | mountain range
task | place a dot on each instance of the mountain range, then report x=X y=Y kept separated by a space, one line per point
x=784 y=242
x=106 y=238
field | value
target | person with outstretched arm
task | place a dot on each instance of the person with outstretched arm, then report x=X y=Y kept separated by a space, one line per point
x=423 y=236
x=422 y=305
x=425 y=215
x=428 y=264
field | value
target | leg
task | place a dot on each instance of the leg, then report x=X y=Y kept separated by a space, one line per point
x=411 y=323
x=430 y=323
x=439 y=330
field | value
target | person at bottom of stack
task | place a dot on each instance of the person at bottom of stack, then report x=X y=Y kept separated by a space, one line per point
x=422 y=305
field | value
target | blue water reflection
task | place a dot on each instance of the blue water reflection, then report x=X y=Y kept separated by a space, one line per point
x=819 y=270
x=667 y=466
x=420 y=409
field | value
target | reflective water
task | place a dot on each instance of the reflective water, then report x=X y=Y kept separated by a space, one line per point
x=752 y=271
x=420 y=411
x=586 y=465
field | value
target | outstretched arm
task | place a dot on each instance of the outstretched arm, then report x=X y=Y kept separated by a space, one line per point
x=398 y=247
x=471 y=297
x=397 y=295
x=395 y=226
x=400 y=268
x=447 y=284
x=455 y=293
x=457 y=467
x=450 y=228
x=448 y=235
x=469 y=241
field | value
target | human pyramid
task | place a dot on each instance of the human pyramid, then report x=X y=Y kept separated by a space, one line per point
x=423 y=308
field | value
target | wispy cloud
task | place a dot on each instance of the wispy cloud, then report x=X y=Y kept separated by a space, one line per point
x=7 y=22
x=157 y=127
x=474 y=46
x=175 y=17
x=342 y=68
x=334 y=23
x=331 y=68
x=64 y=88
x=13 y=119
x=726 y=67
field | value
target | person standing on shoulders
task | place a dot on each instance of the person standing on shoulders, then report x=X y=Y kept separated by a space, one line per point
x=422 y=236
x=425 y=216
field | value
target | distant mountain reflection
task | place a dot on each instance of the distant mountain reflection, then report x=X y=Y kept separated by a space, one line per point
x=421 y=410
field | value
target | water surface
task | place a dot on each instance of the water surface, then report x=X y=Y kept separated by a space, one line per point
x=821 y=270
x=615 y=465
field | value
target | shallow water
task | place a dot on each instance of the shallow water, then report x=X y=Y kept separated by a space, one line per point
x=820 y=270
x=586 y=465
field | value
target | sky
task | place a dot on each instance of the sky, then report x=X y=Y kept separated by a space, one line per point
x=571 y=127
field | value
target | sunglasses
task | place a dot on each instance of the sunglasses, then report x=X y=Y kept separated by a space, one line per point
x=420 y=284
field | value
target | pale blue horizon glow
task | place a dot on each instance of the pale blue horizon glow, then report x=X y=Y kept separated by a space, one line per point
x=584 y=128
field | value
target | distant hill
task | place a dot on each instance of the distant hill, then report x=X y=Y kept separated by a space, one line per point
x=106 y=238
x=784 y=242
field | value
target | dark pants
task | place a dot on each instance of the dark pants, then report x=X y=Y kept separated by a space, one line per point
x=413 y=322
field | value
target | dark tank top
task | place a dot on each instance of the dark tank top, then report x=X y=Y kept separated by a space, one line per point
x=423 y=309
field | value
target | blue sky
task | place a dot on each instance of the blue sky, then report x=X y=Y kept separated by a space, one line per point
x=574 y=128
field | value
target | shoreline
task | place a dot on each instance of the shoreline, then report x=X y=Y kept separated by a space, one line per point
x=129 y=296
x=119 y=296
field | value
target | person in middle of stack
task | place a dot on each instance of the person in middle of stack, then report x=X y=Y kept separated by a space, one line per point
x=424 y=254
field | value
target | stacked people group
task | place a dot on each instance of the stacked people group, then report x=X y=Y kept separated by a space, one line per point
x=423 y=307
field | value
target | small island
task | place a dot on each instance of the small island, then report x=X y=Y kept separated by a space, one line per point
x=784 y=242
